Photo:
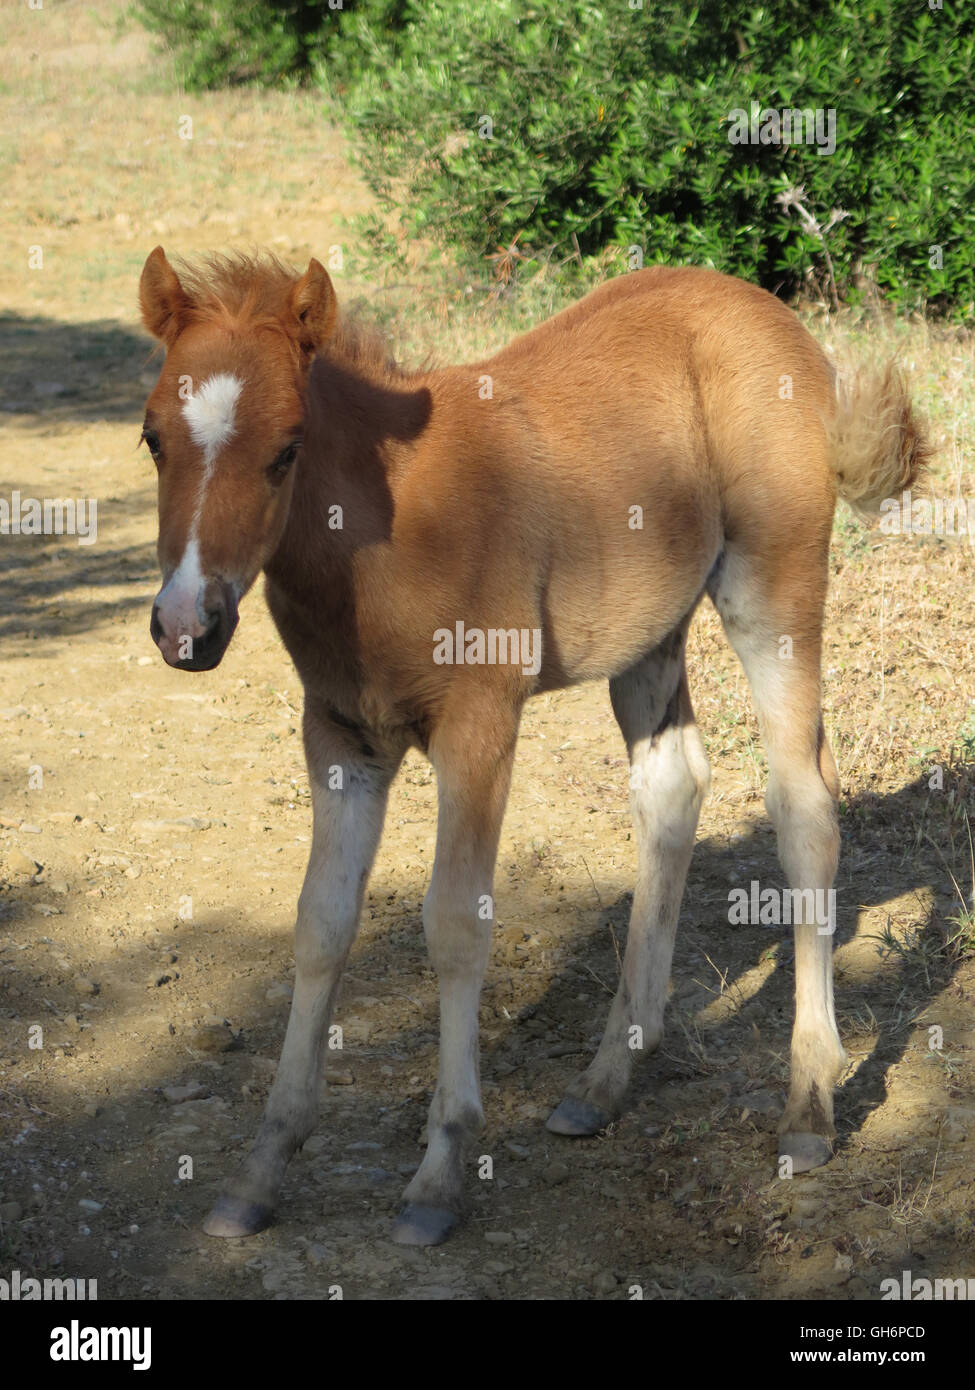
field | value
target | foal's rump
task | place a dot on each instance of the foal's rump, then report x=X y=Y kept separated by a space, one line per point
x=635 y=426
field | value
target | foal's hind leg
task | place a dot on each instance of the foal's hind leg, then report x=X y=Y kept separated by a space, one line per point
x=669 y=779
x=763 y=602
x=349 y=787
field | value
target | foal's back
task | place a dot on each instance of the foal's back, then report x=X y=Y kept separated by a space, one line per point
x=592 y=472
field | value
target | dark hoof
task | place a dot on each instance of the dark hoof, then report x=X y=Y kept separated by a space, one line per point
x=233 y=1217
x=805 y=1151
x=576 y=1118
x=419 y=1225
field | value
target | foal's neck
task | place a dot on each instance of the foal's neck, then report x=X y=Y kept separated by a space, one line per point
x=363 y=420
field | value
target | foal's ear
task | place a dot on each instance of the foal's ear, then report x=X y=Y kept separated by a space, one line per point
x=312 y=301
x=162 y=298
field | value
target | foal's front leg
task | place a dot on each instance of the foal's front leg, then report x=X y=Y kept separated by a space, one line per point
x=349 y=787
x=473 y=759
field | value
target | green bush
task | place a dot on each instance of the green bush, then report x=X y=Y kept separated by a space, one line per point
x=611 y=130
x=220 y=43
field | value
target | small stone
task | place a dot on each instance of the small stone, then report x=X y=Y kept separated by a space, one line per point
x=356 y=1030
x=339 y=1076
x=170 y=825
x=807 y=1207
x=763 y=1102
x=92 y=1109
x=499 y=1237
x=317 y=1255
x=30 y=829
x=210 y=1037
x=278 y=993
x=519 y=1150
x=556 y=1173
x=83 y=985
x=58 y=885
x=20 y=864
x=90 y=1205
x=191 y=1090
x=212 y=1108
x=604 y=1282
x=378 y=1176
x=959 y=1123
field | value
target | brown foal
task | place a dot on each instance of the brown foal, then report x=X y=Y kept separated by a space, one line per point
x=440 y=545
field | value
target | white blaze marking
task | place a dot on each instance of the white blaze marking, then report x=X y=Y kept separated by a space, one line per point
x=185 y=587
x=211 y=416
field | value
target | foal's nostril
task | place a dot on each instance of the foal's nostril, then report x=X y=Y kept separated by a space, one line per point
x=214 y=620
x=209 y=647
x=155 y=626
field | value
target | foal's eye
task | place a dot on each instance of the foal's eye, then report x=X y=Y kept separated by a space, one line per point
x=283 y=462
x=151 y=439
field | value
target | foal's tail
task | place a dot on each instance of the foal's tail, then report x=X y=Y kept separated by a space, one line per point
x=879 y=445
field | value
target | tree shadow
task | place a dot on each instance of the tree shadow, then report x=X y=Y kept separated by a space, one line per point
x=65 y=372
x=58 y=583
x=55 y=587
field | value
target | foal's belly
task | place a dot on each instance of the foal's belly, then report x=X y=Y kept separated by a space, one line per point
x=602 y=616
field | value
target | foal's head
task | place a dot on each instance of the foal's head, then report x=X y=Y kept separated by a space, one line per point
x=224 y=426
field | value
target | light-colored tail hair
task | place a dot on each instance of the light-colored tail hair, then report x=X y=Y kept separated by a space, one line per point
x=879 y=445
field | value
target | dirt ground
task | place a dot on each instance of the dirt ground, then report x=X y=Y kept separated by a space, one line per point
x=154 y=828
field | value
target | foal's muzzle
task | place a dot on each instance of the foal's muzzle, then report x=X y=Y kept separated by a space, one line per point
x=197 y=645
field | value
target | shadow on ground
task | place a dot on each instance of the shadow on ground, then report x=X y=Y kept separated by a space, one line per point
x=395 y=962
x=63 y=372
x=53 y=587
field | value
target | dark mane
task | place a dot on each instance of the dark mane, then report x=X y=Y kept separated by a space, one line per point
x=236 y=287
